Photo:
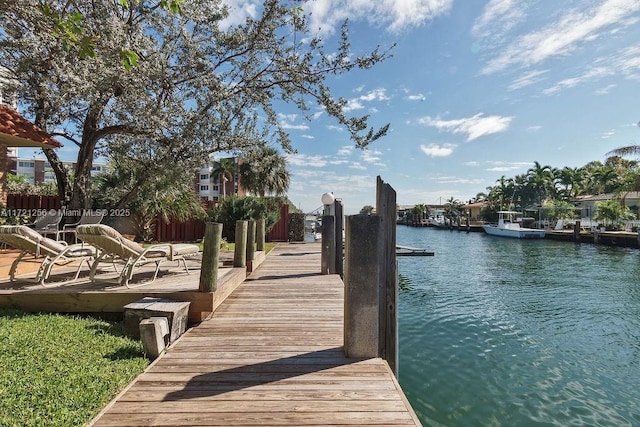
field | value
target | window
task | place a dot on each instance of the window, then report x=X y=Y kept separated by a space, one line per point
x=215 y=188
x=215 y=198
x=96 y=168
x=204 y=177
x=22 y=164
x=204 y=188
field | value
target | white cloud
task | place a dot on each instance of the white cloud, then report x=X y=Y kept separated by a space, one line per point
x=379 y=94
x=527 y=79
x=474 y=127
x=306 y=160
x=394 y=15
x=357 y=166
x=499 y=166
x=307 y=136
x=435 y=150
x=458 y=180
x=564 y=36
x=534 y=128
x=593 y=73
x=498 y=17
x=608 y=134
x=605 y=90
x=372 y=157
x=345 y=150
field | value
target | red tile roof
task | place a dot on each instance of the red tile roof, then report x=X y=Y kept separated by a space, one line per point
x=16 y=131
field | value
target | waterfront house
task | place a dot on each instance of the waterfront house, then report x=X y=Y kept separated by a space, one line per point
x=587 y=204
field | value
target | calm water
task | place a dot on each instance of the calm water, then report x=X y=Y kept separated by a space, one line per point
x=519 y=333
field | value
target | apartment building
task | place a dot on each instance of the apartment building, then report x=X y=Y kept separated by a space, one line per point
x=212 y=188
x=36 y=170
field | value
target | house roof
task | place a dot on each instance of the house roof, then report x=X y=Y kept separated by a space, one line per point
x=17 y=131
x=608 y=196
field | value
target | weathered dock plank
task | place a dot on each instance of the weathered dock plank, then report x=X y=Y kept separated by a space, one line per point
x=271 y=354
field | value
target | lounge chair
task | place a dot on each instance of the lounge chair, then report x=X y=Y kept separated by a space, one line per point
x=88 y=217
x=48 y=222
x=114 y=248
x=28 y=241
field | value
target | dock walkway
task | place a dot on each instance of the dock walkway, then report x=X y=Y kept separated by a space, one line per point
x=271 y=354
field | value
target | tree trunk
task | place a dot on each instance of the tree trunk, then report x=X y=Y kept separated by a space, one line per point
x=62 y=175
x=81 y=197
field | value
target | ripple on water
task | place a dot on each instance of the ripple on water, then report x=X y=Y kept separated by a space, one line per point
x=508 y=332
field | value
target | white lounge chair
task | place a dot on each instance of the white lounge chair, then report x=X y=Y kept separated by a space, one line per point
x=113 y=247
x=28 y=241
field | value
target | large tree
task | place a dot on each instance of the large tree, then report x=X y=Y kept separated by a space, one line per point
x=197 y=87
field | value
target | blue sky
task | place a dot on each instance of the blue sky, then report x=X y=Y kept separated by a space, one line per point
x=476 y=89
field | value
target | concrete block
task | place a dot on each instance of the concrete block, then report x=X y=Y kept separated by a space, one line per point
x=154 y=333
x=176 y=312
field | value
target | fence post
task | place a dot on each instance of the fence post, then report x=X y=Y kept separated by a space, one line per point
x=361 y=311
x=339 y=244
x=387 y=280
x=240 y=252
x=328 y=255
x=260 y=233
x=210 y=257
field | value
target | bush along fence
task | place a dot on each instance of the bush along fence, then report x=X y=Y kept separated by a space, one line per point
x=172 y=231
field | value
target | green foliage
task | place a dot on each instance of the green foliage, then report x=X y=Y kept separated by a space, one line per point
x=19 y=185
x=61 y=370
x=265 y=171
x=560 y=209
x=296 y=227
x=612 y=211
x=234 y=208
x=145 y=194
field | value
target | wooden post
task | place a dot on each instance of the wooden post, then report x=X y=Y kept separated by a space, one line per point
x=596 y=235
x=576 y=231
x=251 y=240
x=339 y=226
x=387 y=280
x=328 y=255
x=210 y=257
x=240 y=252
x=467 y=224
x=361 y=304
x=260 y=233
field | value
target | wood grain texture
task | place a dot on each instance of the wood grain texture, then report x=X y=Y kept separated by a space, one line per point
x=270 y=355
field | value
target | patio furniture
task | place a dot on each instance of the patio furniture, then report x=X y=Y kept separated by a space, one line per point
x=115 y=248
x=28 y=241
x=88 y=217
x=47 y=222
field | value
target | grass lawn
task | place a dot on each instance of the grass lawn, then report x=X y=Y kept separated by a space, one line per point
x=58 y=370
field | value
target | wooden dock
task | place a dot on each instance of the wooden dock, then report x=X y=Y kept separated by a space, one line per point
x=270 y=355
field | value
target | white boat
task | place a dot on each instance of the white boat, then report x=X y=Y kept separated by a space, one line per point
x=507 y=227
x=437 y=218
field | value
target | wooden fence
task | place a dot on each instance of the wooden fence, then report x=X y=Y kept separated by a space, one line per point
x=174 y=231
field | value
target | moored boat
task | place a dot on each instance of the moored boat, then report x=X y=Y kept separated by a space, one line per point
x=507 y=227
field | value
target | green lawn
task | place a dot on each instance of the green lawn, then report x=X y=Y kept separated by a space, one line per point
x=58 y=370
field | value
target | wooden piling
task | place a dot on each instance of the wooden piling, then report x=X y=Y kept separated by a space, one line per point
x=251 y=240
x=260 y=234
x=387 y=277
x=240 y=252
x=210 y=257
x=328 y=256
x=339 y=244
x=576 y=231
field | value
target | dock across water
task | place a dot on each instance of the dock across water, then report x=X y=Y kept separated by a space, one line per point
x=271 y=354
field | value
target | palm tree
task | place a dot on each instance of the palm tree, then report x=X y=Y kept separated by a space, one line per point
x=540 y=180
x=223 y=170
x=265 y=171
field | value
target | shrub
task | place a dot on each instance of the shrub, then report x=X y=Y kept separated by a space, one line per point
x=296 y=227
x=234 y=208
